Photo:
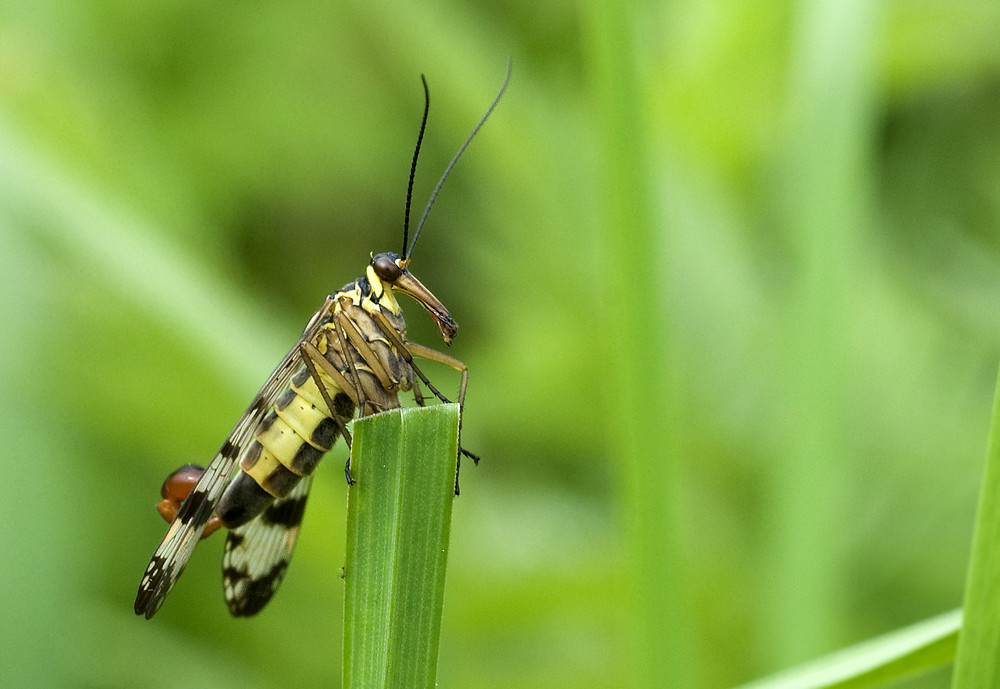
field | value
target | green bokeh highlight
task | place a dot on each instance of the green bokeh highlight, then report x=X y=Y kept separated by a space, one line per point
x=182 y=185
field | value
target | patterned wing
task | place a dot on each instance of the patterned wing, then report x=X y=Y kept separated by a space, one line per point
x=171 y=556
x=257 y=553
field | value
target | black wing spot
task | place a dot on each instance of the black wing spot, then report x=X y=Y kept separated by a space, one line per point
x=242 y=501
x=287 y=513
x=254 y=593
x=228 y=450
x=156 y=583
x=258 y=405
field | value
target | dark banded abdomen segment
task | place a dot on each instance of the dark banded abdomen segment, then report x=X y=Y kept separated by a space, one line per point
x=287 y=445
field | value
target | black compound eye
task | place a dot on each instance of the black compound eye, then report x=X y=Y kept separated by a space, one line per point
x=386 y=268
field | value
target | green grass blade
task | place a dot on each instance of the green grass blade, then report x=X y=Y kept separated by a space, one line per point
x=398 y=524
x=876 y=662
x=978 y=661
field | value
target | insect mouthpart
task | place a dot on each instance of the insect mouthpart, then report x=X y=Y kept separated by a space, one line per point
x=411 y=286
x=391 y=270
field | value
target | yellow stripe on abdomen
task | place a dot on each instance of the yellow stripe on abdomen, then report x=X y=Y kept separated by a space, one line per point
x=288 y=444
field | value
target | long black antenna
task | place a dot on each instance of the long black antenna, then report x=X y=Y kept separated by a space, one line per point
x=413 y=165
x=451 y=165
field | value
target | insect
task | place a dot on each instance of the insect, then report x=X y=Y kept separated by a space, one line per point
x=353 y=356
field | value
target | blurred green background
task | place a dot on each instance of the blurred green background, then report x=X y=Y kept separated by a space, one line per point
x=728 y=277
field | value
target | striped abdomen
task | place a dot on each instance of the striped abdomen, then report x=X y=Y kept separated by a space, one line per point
x=287 y=445
x=299 y=429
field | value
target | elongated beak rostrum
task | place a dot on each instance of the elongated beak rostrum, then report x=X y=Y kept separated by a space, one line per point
x=391 y=269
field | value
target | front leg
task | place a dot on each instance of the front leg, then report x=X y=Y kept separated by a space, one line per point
x=410 y=349
x=313 y=360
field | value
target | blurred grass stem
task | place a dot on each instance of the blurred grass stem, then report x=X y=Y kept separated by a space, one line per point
x=822 y=195
x=636 y=333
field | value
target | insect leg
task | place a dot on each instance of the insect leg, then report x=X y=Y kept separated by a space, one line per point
x=312 y=357
x=418 y=395
x=449 y=361
x=359 y=343
x=410 y=349
x=360 y=396
x=457 y=364
x=343 y=382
